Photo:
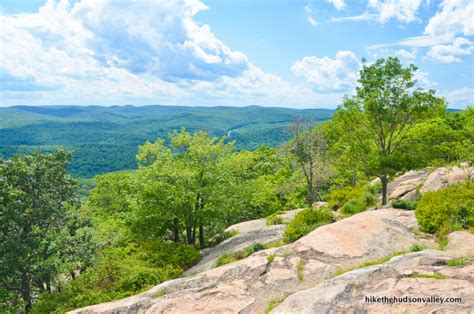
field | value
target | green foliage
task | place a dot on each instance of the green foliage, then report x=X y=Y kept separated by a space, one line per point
x=417 y=247
x=430 y=276
x=374 y=123
x=273 y=304
x=105 y=139
x=255 y=247
x=227 y=258
x=232 y=257
x=271 y=258
x=404 y=204
x=339 y=197
x=456 y=262
x=274 y=219
x=299 y=270
x=354 y=206
x=309 y=152
x=40 y=224
x=352 y=200
x=118 y=273
x=306 y=221
x=448 y=209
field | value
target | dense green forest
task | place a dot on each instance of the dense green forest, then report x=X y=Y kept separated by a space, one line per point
x=138 y=228
x=105 y=139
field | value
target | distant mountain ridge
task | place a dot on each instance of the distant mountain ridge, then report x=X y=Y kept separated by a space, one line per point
x=105 y=139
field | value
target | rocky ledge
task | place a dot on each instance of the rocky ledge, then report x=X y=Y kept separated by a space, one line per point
x=418 y=276
x=249 y=285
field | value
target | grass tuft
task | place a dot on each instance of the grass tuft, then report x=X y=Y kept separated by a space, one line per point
x=273 y=304
x=457 y=262
x=300 y=270
x=432 y=276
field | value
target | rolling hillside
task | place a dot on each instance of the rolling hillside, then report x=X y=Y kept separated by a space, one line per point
x=105 y=139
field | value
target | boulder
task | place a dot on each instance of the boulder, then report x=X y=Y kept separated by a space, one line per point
x=406 y=183
x=320 y=204
x=460 y=244
x=248 y=285
x=415 y=275
x=248 y=232
x=405 y=187
x=412 y=195
x=446 y=176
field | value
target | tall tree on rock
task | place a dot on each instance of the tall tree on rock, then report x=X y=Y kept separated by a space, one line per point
x=309 y=151
x=178 y=183
x=378 y=118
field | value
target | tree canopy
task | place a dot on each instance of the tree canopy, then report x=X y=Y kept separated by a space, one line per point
x=378 y=119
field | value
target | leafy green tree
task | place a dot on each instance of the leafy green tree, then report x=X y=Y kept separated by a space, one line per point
x=36 y=194
x=178 y=183
x=108 y=206
x=309 y=149
x=378 y=118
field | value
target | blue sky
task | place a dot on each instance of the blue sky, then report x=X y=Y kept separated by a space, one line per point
x=300 y=54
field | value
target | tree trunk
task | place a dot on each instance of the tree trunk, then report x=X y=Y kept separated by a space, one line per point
x=25 y=292
x=201 y=237
x=194 y=235
x=384 y=180
x=175 y=230
x=310 y=197
x=189 y=235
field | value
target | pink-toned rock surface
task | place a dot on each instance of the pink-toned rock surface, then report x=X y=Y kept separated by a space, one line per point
x=247 y=286
x=460 y=244
x=406 y=187
x=444 y=177
x=401 y=277
x=406 y=183
x=248 y=232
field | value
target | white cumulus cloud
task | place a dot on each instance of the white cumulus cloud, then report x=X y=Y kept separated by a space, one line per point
x=402 y=10
x=329 y=75
x=449 y=53
x=455 y=17
x=119 y=51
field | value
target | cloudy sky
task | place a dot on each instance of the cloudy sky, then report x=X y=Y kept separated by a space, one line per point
x=300 y=54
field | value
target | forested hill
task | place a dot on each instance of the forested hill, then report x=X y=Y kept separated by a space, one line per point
x=105 y=139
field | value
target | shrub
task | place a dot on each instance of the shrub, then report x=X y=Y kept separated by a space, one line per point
x=119 y=273
x=255 y=247
x=370 y=197
x=457 y=262
x=274 y=220
x=338 y=198
x=354 y=206
x=232 y=257
x=271 y=258
x=449 y=209
x=226 y=259
x=306 y=221
x=404 y=204
x=353 y=200
x=417 y=247
x=159 y=254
